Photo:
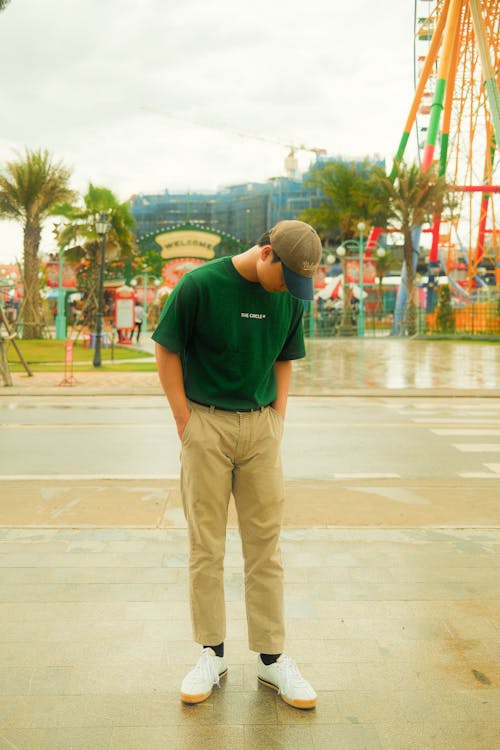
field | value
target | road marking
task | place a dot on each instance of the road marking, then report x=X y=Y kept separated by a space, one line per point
x=478 y=475
x=494 y=469
x=467 y=431
x=454 y=420
x=160 y=477
x=477 y=447
x=84 y=477
x=366 y=475
x=396 y=494
x=89 y=425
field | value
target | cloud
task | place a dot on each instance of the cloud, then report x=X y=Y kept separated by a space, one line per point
x=143 y=95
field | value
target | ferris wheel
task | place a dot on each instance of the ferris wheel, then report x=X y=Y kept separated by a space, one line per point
x=456 y=115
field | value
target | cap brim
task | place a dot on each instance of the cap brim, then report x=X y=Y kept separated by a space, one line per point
x=301 y=287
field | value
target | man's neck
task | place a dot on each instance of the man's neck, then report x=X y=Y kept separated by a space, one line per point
x=246 y=263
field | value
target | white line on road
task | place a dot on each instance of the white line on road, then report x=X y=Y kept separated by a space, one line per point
x=454 y=420
x=152 y=477
x=467 y=431
x=83 y=477
x=477 y=447
x=478 y=475
x=493 y=467
x=366 y=475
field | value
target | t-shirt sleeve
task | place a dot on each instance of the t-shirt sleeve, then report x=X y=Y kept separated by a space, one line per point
x=176 y=322
x=294 y=347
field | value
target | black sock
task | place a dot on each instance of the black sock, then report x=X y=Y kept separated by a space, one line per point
x=219 y=650
x=269 y=658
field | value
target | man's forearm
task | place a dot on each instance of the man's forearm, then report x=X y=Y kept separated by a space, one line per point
x=171 y=378
x=283 y=371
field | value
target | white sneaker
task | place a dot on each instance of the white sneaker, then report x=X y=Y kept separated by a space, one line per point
x=284 y=676
x=198 y=683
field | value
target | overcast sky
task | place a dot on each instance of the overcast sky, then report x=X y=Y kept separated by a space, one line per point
x=146 y=95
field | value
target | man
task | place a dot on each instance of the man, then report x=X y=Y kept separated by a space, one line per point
x=224 y=347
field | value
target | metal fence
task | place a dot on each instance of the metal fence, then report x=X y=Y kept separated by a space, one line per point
x=478 y=317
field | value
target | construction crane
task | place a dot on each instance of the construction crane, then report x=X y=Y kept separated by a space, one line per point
x=290 y=163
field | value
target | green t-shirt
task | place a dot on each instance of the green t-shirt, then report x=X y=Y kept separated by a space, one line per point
x=229 y=333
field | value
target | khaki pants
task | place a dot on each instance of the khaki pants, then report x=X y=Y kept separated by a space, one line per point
x=238 y=452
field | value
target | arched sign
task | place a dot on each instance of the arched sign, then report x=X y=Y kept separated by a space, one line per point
x=188 y=242
x=185 y=247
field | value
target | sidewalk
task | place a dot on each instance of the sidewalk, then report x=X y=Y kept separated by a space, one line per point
x=392 y=600
x=398 y=630
x=333 y=367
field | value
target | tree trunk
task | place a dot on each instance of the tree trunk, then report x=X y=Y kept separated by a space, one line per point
x=91 y=286
x=411 y=310
x=32 y=303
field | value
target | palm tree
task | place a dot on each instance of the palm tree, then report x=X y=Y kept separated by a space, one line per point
x=408 y=201
x=30 y=187
x=3 y=4
x=79 y=236
x=347 y=199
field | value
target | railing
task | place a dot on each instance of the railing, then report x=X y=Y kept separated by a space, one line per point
x=477 y=318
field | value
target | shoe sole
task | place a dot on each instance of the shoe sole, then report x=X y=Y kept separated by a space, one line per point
x=303 y=704
x=200 y=697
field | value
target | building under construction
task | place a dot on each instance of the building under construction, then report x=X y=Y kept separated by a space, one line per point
x=243 y=211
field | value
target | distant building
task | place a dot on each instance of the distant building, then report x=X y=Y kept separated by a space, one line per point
x=243 y=211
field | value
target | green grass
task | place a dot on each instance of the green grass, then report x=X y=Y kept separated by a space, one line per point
x=48 y=354
x=88 y=367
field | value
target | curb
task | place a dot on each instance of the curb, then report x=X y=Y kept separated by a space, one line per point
x=127 y=390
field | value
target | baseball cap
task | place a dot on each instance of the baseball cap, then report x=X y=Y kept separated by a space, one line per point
x=299 y=249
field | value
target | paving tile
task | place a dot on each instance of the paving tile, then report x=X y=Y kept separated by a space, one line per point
x=246 y=708
x=210 y=738
x=445 y=736
x=398 y=631
x=326 y=711
x=23 y=739
x=167 y=710
x=75 y=738
x=68 y=611
x=143 y=738
x=347 y=737
x=278 y=738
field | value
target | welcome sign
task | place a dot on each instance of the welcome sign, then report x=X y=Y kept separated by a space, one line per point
x=188 y=243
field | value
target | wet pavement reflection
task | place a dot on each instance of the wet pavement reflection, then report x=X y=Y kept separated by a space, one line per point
x=333 y=364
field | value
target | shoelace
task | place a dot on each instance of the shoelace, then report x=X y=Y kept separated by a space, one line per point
x=290 y=672
x=206 y=668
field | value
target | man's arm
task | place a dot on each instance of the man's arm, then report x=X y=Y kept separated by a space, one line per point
x=170 y=373
x=283 y=371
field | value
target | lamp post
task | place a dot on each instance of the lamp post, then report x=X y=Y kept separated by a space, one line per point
x=346 y=327
x=61 y=311
x=102 y=227
x=342 y=250
x=361 y=316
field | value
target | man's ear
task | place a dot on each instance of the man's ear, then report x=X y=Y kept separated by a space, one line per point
x=265 y=251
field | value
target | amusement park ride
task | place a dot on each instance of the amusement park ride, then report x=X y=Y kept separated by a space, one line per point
x=456 y=113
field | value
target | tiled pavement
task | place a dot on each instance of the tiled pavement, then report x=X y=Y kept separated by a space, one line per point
x=398 y=630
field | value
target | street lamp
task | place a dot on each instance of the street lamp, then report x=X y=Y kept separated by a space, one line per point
x=102 y=227
x=346 y=327
x=61 y=300
x=342 y=250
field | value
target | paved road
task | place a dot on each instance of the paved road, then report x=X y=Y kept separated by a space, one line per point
x=325 y=439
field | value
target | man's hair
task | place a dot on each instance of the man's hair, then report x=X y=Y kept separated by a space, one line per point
x=265 y=239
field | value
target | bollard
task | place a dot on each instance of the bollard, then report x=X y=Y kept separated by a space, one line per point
x=69 y=378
